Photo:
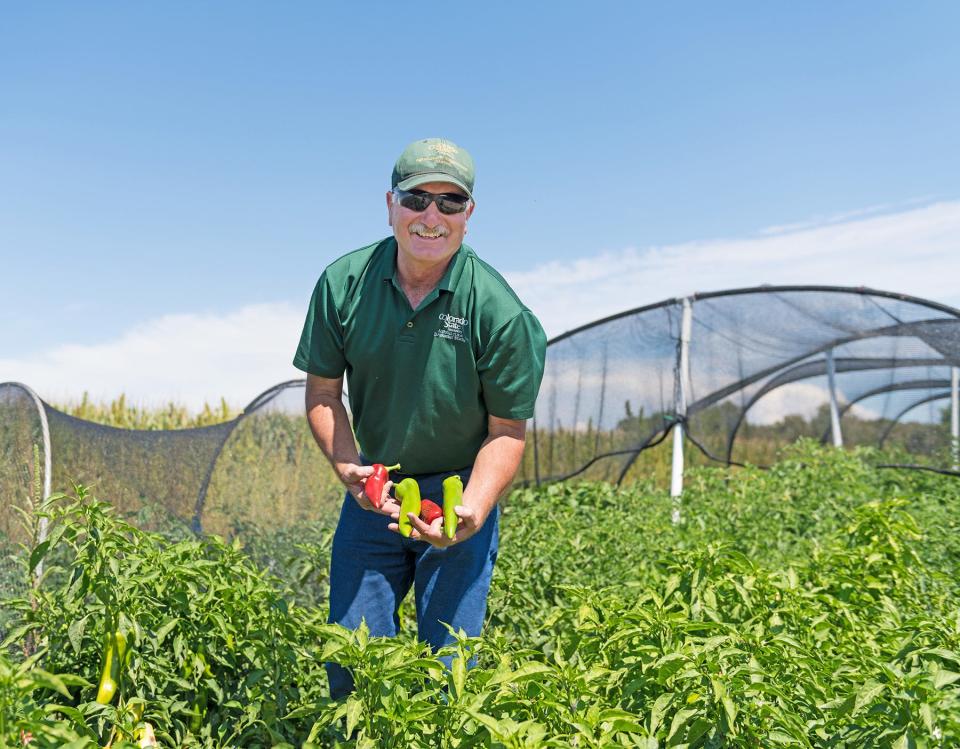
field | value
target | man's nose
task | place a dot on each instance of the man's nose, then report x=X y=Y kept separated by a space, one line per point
x=432 y=213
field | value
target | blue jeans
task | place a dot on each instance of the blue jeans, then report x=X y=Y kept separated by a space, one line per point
x=372 y=569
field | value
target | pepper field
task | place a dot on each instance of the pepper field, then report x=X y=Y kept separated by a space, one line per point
x=816 y=604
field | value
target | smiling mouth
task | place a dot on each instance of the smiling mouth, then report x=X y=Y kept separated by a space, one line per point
x=420 y=230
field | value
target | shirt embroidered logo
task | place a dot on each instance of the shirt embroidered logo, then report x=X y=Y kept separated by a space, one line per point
x=452 y=328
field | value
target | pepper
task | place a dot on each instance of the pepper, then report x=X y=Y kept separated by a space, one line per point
x=198 y=710
x=198 y=707
x=408 y=491
x=429 y=511
x=452 y=497
x=373 y=484
x=114 y=653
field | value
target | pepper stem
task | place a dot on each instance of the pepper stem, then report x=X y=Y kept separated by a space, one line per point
x=392 y=468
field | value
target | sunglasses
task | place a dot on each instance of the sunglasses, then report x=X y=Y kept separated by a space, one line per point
x=419 y=201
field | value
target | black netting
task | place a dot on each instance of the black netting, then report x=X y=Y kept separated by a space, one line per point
x=605 y=393
x=758 y=379
x=153 y=476
x=261 y=470
x=22 y=456
x=21 y=461
x=270 y=472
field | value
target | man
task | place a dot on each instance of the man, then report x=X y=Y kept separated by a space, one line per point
x=443 y=363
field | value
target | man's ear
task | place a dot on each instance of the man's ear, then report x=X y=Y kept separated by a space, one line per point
x=389 y=207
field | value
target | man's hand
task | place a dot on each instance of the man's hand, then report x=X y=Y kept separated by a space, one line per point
x=353 y=475
x=469 y=521
x=494 y=469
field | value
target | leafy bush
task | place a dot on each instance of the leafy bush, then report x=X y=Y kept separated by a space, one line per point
x=811 y=605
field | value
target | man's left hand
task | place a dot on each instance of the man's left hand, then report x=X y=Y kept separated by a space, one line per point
x=470 y=521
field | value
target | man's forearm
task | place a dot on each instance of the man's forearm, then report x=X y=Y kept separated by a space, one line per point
x=493 y=470
x=330 y=425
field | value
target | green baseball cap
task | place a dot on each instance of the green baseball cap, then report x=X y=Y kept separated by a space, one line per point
x=433 y=160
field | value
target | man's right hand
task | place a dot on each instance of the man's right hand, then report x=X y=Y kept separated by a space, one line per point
x=353 y=476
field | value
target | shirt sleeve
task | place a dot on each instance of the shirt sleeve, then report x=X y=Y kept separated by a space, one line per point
x=511 y=367
x=321 y=344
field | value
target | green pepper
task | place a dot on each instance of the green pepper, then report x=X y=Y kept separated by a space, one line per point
x=114 y=654
x=408 y=491
x=198 y=710
x=452 y=497
x=198 y=706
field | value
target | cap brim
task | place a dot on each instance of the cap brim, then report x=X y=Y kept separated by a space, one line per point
x=421 y=179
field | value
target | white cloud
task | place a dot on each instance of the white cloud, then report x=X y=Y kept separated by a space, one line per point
x=185 y=358
x=912 y=252
x=197 y=358
x=798 y=398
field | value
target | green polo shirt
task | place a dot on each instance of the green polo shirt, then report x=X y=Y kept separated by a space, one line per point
x=422 y=382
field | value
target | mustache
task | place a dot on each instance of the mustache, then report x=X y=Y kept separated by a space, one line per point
x=419 y=226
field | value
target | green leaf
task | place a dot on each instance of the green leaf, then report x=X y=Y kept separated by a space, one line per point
x=459 y=674
x=731 y=710
x=526 y=672
x=944 y=677
x=868 y=692
x=697 y=729
x=164 y=629
x=487 y=722
x=621 y=720
x=680 y=719
x=669 y=665
x=18 y=634
x=354 y=711
x=75 y=633
x=658 y=710
x=50 y=681
x=948 y=655
x=779 y=737
x=39 y=552
x=903 y=742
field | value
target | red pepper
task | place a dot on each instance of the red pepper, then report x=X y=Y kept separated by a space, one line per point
x=429 y=511
x=373 y=485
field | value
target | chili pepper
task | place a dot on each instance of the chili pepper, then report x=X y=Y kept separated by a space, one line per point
x=198 y=710
x=429 y=511
x=408 y=491
x=452 y=496
x=114 y=654
x=373 y=484
x=194 y=666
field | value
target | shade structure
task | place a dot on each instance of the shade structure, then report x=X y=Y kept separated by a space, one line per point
x=260 y=469
x=736 y=374
x=753 y=374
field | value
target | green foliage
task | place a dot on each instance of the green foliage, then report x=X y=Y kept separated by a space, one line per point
x=120 y=413
x=811 y=605
x=217 y=651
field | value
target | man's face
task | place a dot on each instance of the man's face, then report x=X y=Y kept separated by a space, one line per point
x=429 y=236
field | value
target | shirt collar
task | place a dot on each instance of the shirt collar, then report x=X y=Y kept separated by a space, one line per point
x=450 y=278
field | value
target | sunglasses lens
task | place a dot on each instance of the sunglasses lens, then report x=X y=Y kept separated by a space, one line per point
x=450 y=205
x=414 y=201
x=419 y=201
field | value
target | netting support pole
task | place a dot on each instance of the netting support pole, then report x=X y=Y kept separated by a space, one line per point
x=955 y=416
x=834 y=410
x=680 y=406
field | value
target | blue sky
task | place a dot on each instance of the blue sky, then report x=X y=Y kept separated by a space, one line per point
x=190 y=161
